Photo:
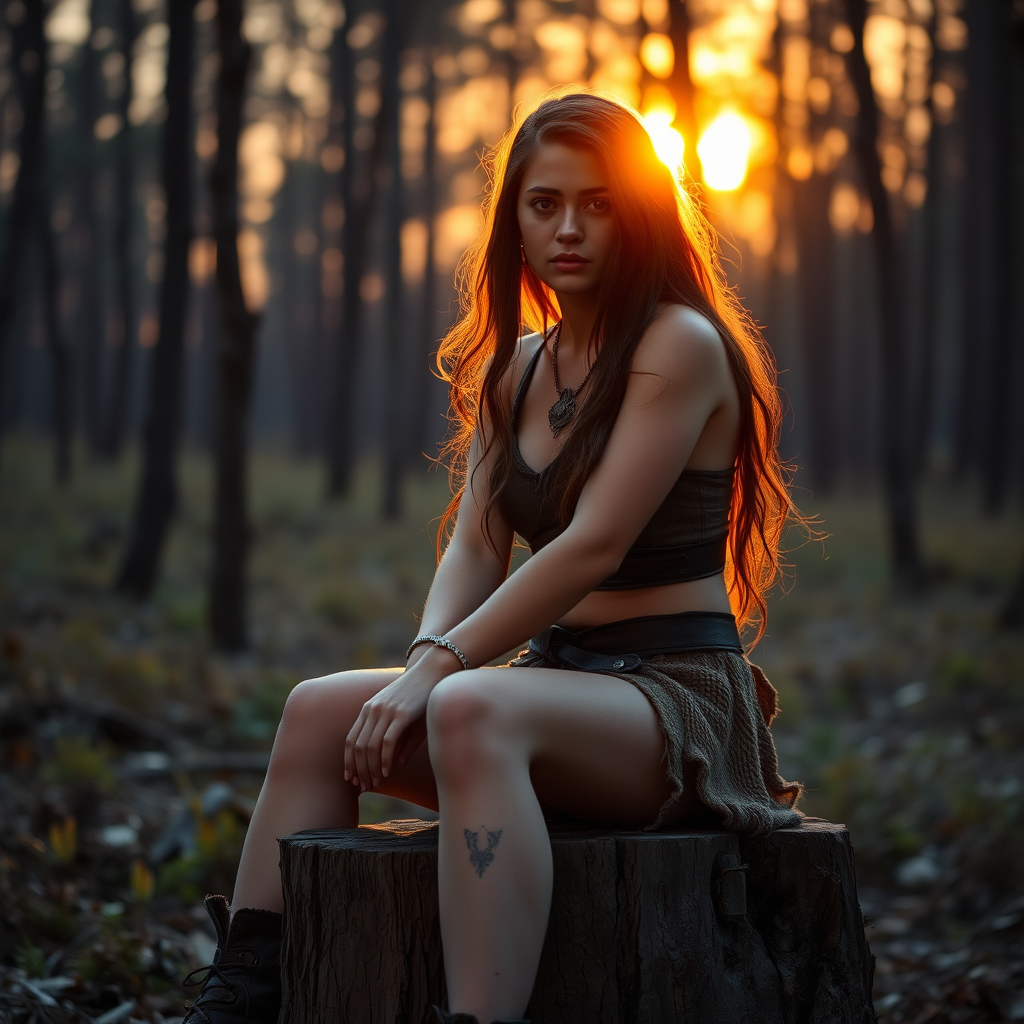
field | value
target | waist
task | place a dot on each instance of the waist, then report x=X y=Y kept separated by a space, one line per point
x=622 y=645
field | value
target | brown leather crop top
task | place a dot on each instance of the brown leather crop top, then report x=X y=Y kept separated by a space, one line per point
x=684 y=540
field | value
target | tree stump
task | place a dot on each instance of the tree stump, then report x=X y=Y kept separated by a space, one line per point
x=702 y=926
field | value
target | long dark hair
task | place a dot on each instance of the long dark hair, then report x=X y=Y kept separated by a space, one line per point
x=665 y=251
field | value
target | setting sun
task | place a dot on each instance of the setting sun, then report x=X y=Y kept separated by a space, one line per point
x=668 y=143
x=724 y=151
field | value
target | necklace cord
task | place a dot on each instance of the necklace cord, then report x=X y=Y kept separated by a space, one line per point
x=554 y=365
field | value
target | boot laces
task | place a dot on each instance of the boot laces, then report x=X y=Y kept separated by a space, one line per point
x=217 y=974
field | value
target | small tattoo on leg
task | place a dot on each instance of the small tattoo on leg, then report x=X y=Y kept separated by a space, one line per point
x=481 y=859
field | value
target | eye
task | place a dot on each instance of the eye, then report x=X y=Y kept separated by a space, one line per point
x=543 y=204
x=598 y=205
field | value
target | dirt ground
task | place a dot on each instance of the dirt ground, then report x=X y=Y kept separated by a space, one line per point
x=131 y=755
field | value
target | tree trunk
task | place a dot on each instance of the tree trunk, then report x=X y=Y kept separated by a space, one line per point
x=117 y=412
x=933 y=256
x=977 y=327
x=29 y=46
x=395 y=372
x=817 y=334
x=644 y=927
x=60 y=359
x=359 y=194
x=424 y=334
x=157 y=497
x=897 y=474
x=817 y=294
x=91 y=322
x=1005 y=198
x=681 y=86
x=231 y=533
x=1011 y=615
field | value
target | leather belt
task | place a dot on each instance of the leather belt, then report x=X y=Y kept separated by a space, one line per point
x=621 y=646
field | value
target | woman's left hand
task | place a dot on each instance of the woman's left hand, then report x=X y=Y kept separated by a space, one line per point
x=394 y=720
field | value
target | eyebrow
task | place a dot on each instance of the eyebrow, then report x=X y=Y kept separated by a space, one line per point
x=557 y=191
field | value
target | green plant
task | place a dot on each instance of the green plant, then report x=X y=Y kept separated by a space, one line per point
x=958 y=672
x=211 y=867
x=341 y=606
x=64 y=840
x=31 y=959
x=114 y=957
x=256 y=717
x=77 y=762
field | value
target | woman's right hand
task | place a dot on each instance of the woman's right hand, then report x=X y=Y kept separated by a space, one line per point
x=392 y=723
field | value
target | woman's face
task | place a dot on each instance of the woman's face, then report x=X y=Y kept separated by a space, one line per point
x=565 y=217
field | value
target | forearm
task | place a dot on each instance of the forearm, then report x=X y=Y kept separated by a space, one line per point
x=552 y=582
x=465 y=579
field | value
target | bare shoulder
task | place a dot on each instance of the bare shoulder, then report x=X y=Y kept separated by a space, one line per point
x=681 y=344
x=526 y=347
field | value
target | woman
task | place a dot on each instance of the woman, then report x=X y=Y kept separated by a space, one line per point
x=631 y=441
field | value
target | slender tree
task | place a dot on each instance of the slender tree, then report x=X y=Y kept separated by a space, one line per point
x=117 y=409
x=395 y=373
x=681 y=86
x=157 y=496
x=933 y=257
x=817 y=292
x=56 y=344
x=226 y=610
x=28 y=59
x=87 y=229
x=354 y=230
x=425 y=338
x=1005 y=199
x=360 y=197
x=978 y=268
x=896 y=466
x=1012 y=612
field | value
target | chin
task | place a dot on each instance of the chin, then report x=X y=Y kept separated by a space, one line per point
x=571 y=284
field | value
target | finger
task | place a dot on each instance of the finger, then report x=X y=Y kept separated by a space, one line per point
x=411 y=741
x=360 y=747
x=350 y=755
x=373 y=749
x=392 y=737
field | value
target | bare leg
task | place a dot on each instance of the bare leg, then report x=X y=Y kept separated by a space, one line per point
x=305 y=785
x=500 y=741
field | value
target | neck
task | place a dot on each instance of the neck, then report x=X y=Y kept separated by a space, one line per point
x=579 y=312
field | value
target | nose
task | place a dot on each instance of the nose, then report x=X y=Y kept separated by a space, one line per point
x=570 y=229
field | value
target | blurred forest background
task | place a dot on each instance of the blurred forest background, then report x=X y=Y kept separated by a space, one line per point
x=228 y=234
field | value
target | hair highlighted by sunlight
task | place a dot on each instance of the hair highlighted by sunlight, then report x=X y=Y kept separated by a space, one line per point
x=665 y=251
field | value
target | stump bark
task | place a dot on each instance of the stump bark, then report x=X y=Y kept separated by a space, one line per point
x=645 y=928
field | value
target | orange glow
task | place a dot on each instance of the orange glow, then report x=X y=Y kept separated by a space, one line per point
x=724 y=151
x=668 y=143
x=657 y=54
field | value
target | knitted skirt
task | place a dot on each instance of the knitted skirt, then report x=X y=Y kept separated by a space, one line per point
x=715 y=709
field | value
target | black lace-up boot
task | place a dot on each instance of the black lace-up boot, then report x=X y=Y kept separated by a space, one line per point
x=243 y=984
x=466 y=1018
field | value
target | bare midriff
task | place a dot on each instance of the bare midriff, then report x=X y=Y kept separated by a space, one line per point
x=601 y=606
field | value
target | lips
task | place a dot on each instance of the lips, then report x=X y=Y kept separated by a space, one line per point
x=569 y=261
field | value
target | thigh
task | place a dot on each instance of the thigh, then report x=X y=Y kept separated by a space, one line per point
x=594 y=742
x=317 y=719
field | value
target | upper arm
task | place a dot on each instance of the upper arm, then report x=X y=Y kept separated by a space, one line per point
x=680 y=377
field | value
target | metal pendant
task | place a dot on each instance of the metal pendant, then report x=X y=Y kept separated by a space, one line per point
x=562 y=411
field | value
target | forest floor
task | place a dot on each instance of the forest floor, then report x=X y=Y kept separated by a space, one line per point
x=131 y=755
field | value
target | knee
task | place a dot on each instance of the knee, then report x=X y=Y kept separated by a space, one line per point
x=313 y=714
x=467 y=726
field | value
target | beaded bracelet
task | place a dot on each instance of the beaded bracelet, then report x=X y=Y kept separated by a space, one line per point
x=438 y=641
